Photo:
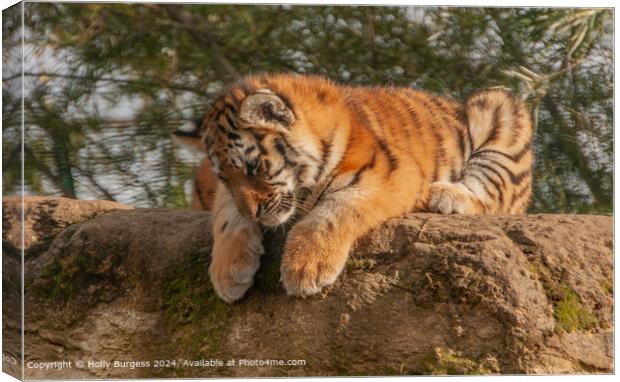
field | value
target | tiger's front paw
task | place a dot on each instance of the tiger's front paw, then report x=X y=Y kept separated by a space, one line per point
x=309 y=263
x=234 y=263
x=450 y=198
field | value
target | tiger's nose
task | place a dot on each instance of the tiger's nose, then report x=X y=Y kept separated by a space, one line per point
x=249 y=202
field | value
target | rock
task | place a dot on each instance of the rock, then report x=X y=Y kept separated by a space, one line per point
x=44 y=218
x=47 y=216
x=422 y=294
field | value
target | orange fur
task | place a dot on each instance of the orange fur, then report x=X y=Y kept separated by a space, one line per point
x=205 y=184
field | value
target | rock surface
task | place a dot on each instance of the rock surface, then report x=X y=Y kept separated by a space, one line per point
x=44 y=218
x=422 y=294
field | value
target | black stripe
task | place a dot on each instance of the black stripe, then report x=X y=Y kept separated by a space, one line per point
x=392 y=159
x=517 y=126
x=262 y=150
x=257 y=135
x=495 y=127
x=521 y=176
x=440 y=154
x=320 y=199
x=496 y=184
x=405 y=126
x=413 y=116
x=232 y=107
x=321 y=94
x=306 y=154
x=233 y=136
x=493 y=170
x=372 y=104
x=224 y=226
x=514 y=178
x=278 y=171
x=300 y=172
x=269 y=206
x=480 y=103
x=364 y=168
x=461 y=116
x=231 y=123
x=513 y=157
x=217 y=113
x=461 y=138
x=282 y=145
x=326 y=148
x=520 y=194
x=401 y=108
x=365 y=122
x=484 y=184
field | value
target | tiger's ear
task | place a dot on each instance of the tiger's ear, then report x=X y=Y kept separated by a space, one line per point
x=266 y=110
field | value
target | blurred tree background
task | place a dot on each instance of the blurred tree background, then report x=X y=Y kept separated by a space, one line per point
x=105 y=84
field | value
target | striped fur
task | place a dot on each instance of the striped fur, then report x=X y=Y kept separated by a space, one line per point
x=335 y=161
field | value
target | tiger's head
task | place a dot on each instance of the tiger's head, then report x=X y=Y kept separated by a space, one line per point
x=259 y=150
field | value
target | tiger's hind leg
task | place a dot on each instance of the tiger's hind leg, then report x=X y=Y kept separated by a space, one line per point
x=496 y=178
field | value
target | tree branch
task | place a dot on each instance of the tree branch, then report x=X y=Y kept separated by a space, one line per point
x=89 y=176
x=106 y=79
x=571 y=149
x=200 y=32
x=45 y=170
x=122 y=169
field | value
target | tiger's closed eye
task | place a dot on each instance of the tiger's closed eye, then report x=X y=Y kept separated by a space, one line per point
x=276 y=183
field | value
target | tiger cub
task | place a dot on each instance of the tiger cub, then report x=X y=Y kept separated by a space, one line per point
x=334 y=161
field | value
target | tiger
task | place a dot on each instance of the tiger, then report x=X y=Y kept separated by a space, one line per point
x=330 y=162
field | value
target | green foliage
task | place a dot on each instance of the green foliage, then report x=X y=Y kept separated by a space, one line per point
x=107 y=83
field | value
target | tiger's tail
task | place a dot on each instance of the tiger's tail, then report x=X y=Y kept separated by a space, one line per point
x=498 y=170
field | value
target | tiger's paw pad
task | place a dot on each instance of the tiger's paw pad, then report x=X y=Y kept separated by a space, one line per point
x=449 y=198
